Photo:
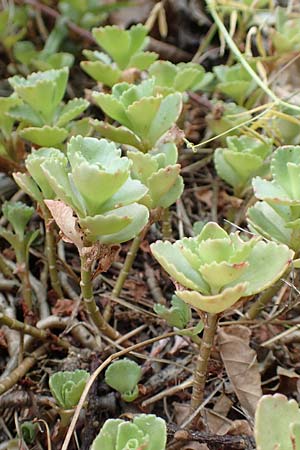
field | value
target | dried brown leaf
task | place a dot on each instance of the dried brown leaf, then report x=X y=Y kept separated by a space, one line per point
x=241 y=365
x=67 y=223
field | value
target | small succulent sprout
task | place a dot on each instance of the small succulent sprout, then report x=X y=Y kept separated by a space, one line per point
x=67 y=387
x=18 y=215
x=225 y=117
x=219 y=269
x=123 y=376
x=178 y=315
x=124 y=50
x=235 y=82
x=278 y=215
x=243 y=158
x=44 y=119
x=286 y=35
x=177 y=77
x=145 y=114
x=29 y=431
x=277 y=423
x=146 y=432
x=94 y=180
x=159 y=171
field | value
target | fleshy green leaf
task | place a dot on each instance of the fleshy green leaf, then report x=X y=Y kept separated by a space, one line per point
x=67 y=387
x=45 y=136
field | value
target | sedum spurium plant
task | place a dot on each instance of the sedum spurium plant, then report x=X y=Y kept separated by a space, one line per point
x=93 y=181
x=277 y=216
x=243 y=158
x=235 y=82
x=213 y=271
x=67 y=388
x=124 y=51
x=36 y=185
x=286 y=35
x=178 y=315
x=44 y=119
x=123 y=376
x=178 y=77
x=18 y=215
x=277 y=423
x=146 y=432
x=144 y=114
x=159 y=171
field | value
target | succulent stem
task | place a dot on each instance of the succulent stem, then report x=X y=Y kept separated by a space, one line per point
x=210 y=327
x=26 y=287
x=264 y=298
x=89 y=299
x=166 y=224
x=50 y=248
x=122 y=277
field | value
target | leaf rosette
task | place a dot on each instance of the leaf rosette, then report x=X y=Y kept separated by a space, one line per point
x=243 y=158
x=158 y=170
x=219 y=269
x=124 y=50
x=67 y=387
x=146 y=432
x=145 y=114
x=123 y=376
x=94 y=180
x=44 y=119
x=277 y=216
x=180 y=77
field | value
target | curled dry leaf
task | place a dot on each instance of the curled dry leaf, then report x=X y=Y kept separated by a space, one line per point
x=67 y=223
x=241 y=365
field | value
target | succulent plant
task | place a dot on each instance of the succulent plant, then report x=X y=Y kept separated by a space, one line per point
x=123 y=376
x=243 y=158
x=224 y=117
x=145 y=116
x=178 y=315
x=146 y=432
x=124 y=50
x=49 y=57
x=158 y=170
x=286 y=35
x=29 y=431
x=94 y=180
x=44 y=120
x=277 y=423
x=278 y=215
x=67 y=387
x=215 y=269
x=178 y=77
x=18 y=215
x=235 y=82
x=13 y=21
x=88 y=13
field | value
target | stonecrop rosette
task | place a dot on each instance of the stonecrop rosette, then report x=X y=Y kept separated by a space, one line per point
x=277 y=216
x=94 y=180
x=220 y=268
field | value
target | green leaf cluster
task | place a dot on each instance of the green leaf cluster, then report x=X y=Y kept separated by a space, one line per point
x=145 y=114
x=44 y=119
x=67 y=387
x=243 y=158
x=159 y=171
x=277 y=215
x=18 y=215
x=49 y=57
x=277 y=423
x=218 y=269
x=180 y=77
x=123 y=376
x=235 y=82
x=146 y=432
x=178 y=315
x=94 y=180
x=124 y=50
x=286 y=35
